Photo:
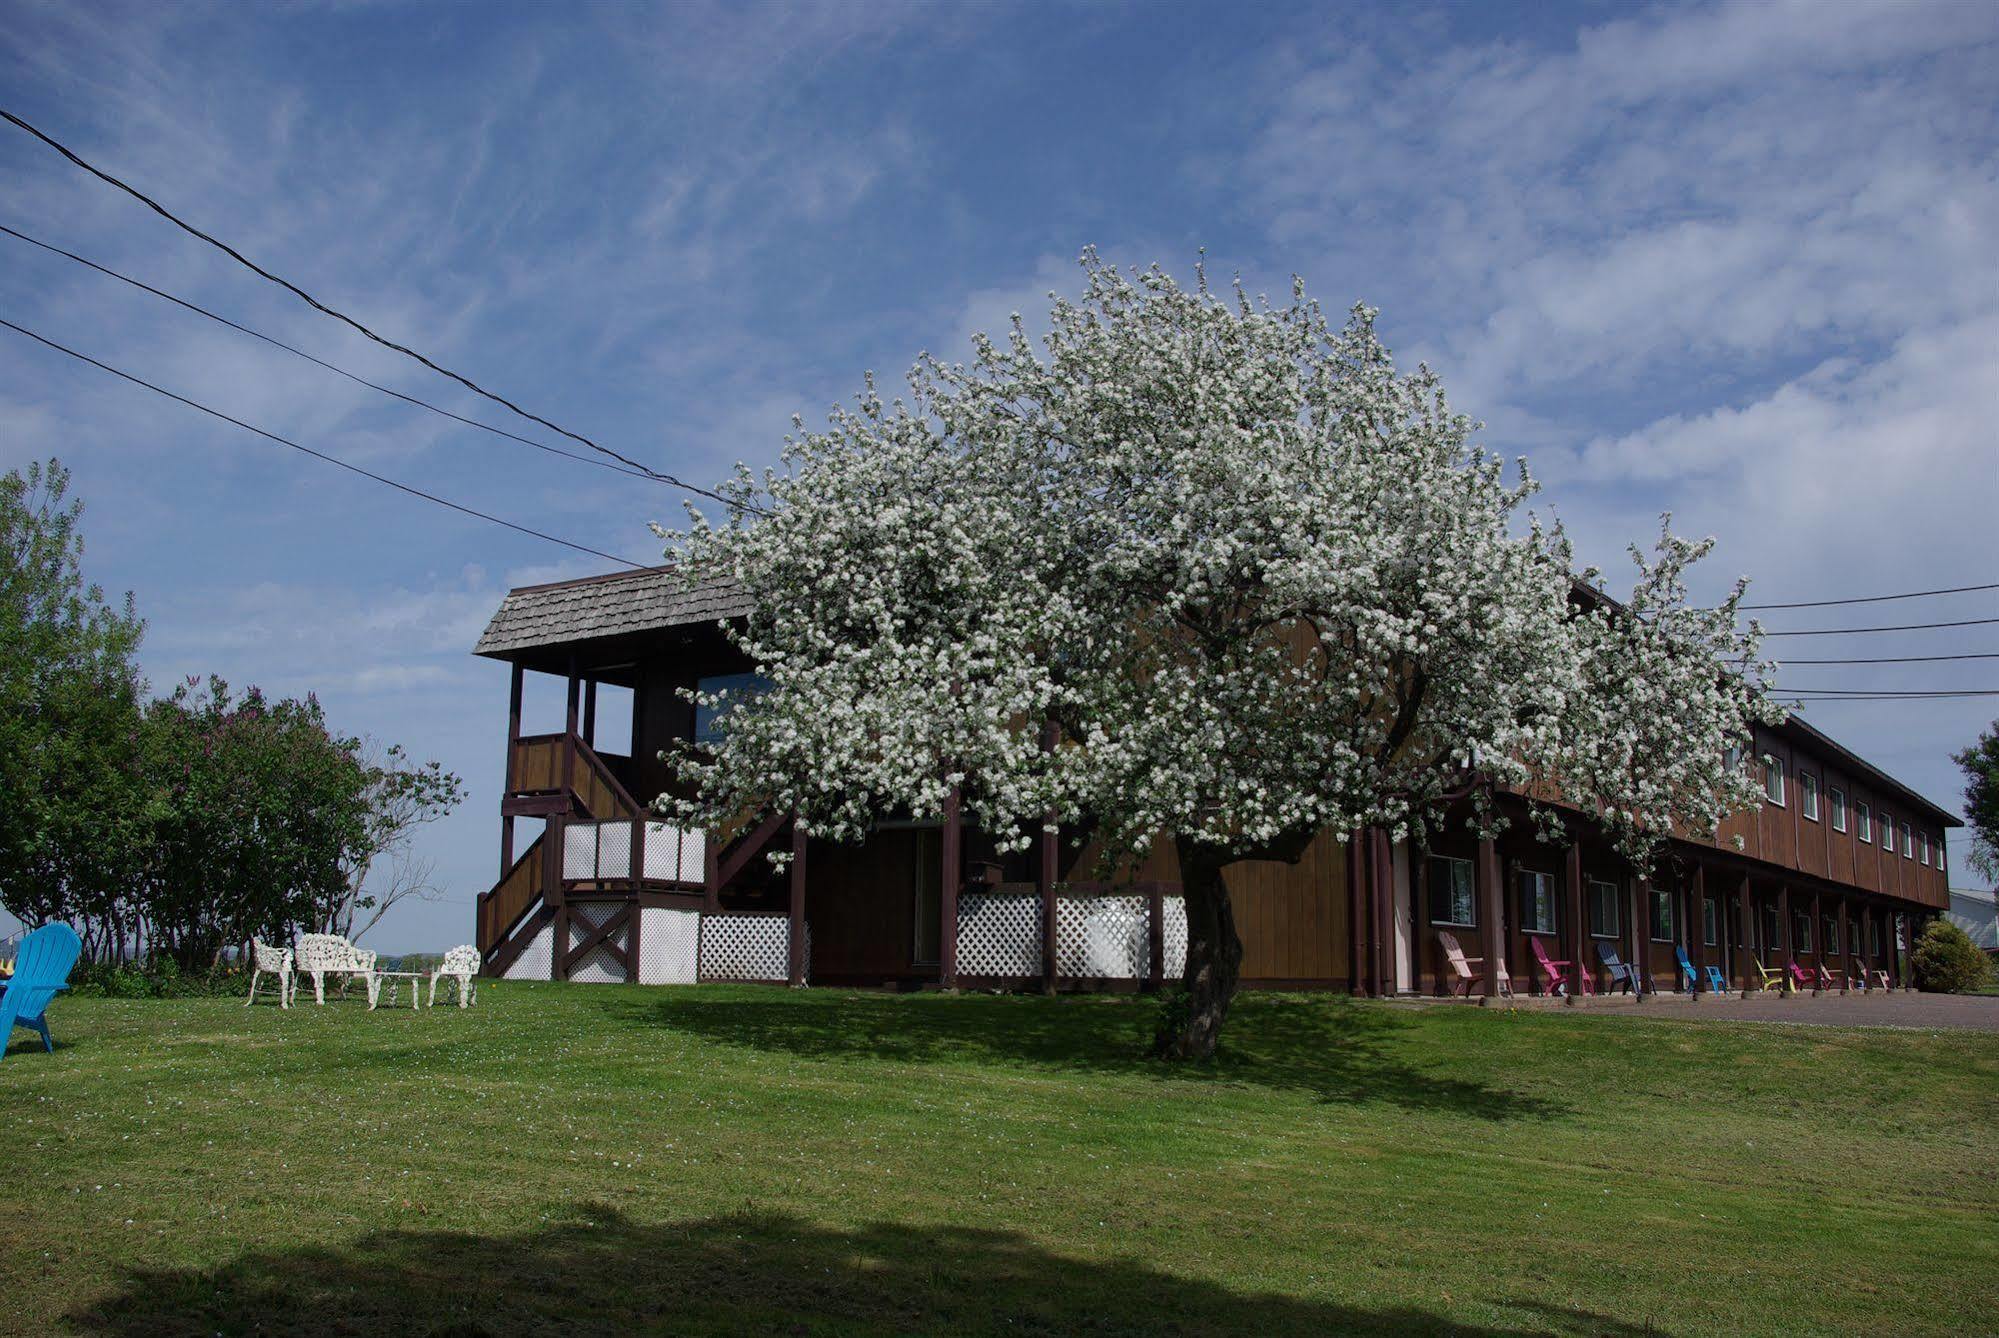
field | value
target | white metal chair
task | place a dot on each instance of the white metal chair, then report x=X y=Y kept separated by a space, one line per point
x=461 y=964
x=277 y=961
x=320 y=955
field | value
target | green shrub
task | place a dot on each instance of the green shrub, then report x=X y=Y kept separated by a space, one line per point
x=155 y=978
x=1946 y=961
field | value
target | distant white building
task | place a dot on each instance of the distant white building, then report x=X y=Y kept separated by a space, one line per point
x=1977 y=914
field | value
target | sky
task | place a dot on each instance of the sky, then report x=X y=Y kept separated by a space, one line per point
x=1732 y=261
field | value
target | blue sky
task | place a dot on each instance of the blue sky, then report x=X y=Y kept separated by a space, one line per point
x=1736 y=261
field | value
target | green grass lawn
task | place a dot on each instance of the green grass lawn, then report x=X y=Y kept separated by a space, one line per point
x=744 y=1159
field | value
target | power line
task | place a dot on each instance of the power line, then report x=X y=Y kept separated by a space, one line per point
x=1869 y=692
x=1872 y=599
x=1906 y=627
x=342 y=371
x=349 y=321
x=1899 y=659
x=317 y=455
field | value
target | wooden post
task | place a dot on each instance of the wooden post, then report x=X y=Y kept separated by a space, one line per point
x=711 y=877
x=1491 y=913
x=1640 y=901
x=551 y=890
x=1384 y=914
x=569 y=741
x=1748 y=962
x=953 y=869
x=795 y=967
x=635 y=922
x=590 y=712
x=1356 y=914
x=1047 y=868
x=1574 y=917
x=1784 y=933
x=1155 y=936
x=1419 y=917
x=1845 y=949
x=507 y=784
x=1818 y=943
x=1698 y=934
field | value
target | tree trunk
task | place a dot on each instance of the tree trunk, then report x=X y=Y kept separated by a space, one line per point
x=1193 y=1022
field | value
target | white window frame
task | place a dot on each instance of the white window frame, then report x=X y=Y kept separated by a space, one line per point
x=1923 y=848
x=1661 y=897
x=1773 y=776
x=1836 y=800
x=1887 y=829
x=1471 y=879
x=1808 y=795
x=1863 y=822
x=1908 y=841
x=1710 y=922
x=1829 y=935
x=1547 y=883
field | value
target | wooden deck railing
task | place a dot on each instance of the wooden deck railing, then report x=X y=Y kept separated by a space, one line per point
x=565 y=764
x=512 y=897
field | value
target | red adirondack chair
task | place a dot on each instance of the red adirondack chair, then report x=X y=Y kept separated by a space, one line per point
x=1555 y=970
x=1800 y=977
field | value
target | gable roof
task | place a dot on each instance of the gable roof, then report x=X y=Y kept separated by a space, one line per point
x=536 y=616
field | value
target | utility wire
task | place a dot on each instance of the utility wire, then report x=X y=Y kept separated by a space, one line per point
x=342 y=371
x=1898 y=659
x=1906 y=627
x=1872 y=599
x=318 y=455
x=1868 y=692
x=349 y=321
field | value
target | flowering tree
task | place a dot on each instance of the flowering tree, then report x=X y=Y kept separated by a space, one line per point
x=1264 y=584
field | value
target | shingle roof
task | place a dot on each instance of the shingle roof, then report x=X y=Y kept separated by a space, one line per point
x=599 y=606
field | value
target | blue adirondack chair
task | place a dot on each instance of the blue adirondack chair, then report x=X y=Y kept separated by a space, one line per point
x=1717 y=983
x=41 y=968
x=1620 y=974
x=1687 y=972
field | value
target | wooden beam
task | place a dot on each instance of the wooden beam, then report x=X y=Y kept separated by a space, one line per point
x=1818 y=943
x=1784 y=933
x=1491 y=912
x=1384 y=914
x=1155 y=937
x=590 y=712
x=1698 y=934
x=1639 y=899
x=1748 y=962
x=795 y=965
x=632 y=944
x=1845 y=948
x=1574 y=919
x=951 y=850
x=569 y=728
x=1356 y=914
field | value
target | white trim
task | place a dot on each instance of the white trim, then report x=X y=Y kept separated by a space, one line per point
x=1808 y=796
x=1773 y=770
x=1837 y=797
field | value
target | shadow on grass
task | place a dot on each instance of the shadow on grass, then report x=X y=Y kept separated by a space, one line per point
x=754 y=1273
x=1326 y=1046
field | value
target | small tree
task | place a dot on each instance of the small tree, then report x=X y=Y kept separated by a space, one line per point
x=1264 y=584
x=1946 y=961
x=69 y=694
x=399 y=796
x=1980 y=764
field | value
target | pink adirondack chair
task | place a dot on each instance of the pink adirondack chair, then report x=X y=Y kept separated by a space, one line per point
x=1555 y=970
x=1800 y=977
x=1466 y=972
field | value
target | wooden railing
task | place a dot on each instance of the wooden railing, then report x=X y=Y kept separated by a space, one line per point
x=565 y=764
x=512 y=897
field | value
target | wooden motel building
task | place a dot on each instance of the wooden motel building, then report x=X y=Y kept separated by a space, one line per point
x=1840 y=865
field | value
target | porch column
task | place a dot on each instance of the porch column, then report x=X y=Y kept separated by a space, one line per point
x=1492 y=930
x=1697 y=934
x=507 y=785
x=551 y=885
x=1638 y=948
x=1047 y=866
x=1356 y=913
x=1784 y=934
x=568 y=748
x=1846 y=949
x=590 y=712
x=795 y=965
x=1818 y=942
x=953 y=869
x=1383 y=888
x=1574 y=917
x=1748 y=962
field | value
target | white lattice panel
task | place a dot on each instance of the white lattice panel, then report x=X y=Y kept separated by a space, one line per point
x=598 y=967
x=536 y=958
x=1101 y=937
x=579 y=850
x=747 y=947
x=669 y=944
x=1173 y=945
x=614 y=850
x=999 y=935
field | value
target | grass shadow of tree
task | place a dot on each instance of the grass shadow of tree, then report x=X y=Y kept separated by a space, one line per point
x=1328 y=1046
x=601 y=1273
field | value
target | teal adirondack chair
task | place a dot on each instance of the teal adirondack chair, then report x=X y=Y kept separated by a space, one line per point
x=41 y=968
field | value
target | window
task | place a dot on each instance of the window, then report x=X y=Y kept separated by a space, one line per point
x=1537 y=902
x=1874 y=938
x=1453 y=898
x=1662 y=915
x=1732 y=759
x=1887 y=829
x=1771 y=926
x=1908 y=842
x=1710 y=922
x=1863 y=823
x=1801 y=925
x=737 y=688
x=1923 y=849
x=1603 y=900
x=1773 y=780
x=1837 y=800
x=1831 y=931
x=1808 y=795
